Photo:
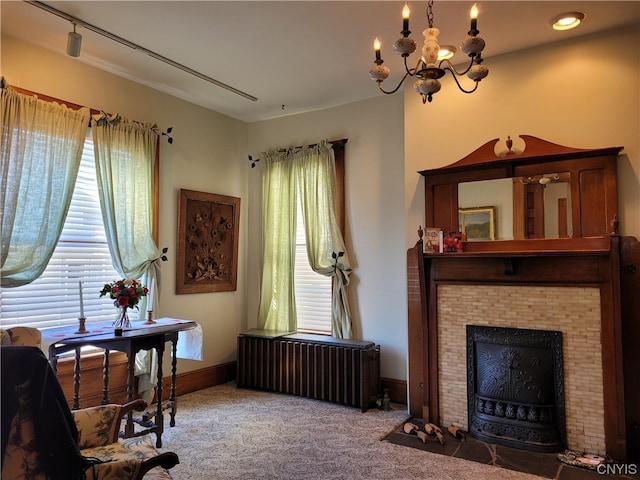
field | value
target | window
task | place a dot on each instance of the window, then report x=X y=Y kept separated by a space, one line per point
x=82 y=255
x=312 y=290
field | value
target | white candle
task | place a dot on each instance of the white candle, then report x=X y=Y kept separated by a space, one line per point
x=151 y=295
x=81 y=301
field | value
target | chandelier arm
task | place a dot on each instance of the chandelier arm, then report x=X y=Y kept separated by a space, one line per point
x=455 y=77
x=452 y=69
x=411 y=71
x=395 y=89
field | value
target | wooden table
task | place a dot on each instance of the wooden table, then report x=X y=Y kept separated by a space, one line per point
x=130 y=342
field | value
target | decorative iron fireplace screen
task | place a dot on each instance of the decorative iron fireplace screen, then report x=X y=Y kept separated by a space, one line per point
x=515 y=387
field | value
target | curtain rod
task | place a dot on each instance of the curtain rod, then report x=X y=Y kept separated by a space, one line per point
x=73 y=106
x=127 y=43
x=335 y=143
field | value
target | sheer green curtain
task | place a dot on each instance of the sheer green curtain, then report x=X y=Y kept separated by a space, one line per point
x=125 y=154
x=41 y=152
x=316 y=179
x=277 y=299
x=311 y=172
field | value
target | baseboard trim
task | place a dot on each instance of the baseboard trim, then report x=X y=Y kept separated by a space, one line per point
x=218 y=374
x=186 y=382
x=194 y=380
x=397 y=389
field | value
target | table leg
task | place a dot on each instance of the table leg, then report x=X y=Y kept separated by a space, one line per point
x=131 y=360
x=105 y=378
x=159 y=414
x=172 y=397
x=76 y=381
x=53 y=359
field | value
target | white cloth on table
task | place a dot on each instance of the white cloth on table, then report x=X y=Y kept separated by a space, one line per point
x=190 y=343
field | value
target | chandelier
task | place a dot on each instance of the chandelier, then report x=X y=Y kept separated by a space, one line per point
x=434 y=63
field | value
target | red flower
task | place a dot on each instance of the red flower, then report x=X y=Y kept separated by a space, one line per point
x=125 y=293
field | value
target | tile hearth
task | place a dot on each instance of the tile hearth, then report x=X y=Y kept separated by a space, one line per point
x=541 y=464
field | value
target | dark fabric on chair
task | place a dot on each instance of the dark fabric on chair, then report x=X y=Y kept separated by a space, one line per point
x=55 y=430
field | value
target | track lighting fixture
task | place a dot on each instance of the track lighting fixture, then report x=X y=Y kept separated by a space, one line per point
x=74 y=42
x=73 y=47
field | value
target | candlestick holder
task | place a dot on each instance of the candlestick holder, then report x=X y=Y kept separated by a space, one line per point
x=150 y=319
x=81 y=327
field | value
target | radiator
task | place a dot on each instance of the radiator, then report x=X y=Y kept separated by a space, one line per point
x=314 y=366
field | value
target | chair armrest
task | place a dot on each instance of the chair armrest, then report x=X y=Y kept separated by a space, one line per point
x=166 y=460
x=122 y=469
x=98 y=426
x=135 y=448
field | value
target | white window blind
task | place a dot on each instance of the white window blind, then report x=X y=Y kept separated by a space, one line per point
x=312 y=290
x=82 y=255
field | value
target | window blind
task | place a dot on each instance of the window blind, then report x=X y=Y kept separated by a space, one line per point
x=82 y=255
x=312 y=290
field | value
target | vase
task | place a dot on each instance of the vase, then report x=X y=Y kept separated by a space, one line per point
x=123 y=319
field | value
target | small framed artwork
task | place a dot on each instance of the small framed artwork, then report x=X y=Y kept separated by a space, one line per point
x=433 y=240
x=207 y=257
x=478 y=223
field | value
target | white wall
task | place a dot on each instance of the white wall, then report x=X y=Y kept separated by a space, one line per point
x=208 y=155
x=582 y=93
x=374 y=160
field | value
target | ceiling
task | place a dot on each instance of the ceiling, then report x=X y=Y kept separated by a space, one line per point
x=294 y=56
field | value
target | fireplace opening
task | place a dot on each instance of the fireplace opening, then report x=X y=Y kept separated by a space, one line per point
x=515 y=387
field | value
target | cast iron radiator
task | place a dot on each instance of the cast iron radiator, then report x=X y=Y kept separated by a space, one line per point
x=315 y=366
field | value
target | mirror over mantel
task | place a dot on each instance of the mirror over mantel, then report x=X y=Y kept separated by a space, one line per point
x=540 y=196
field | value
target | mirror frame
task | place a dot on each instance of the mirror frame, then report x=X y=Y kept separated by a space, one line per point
x=594 y=196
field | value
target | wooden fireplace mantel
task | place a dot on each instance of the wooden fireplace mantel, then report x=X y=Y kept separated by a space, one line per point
x=595 y=256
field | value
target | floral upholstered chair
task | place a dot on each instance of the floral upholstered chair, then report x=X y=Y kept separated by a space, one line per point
x=21 y=336
x=43 y=439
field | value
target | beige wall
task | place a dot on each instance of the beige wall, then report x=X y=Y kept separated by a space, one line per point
x=582 y=93
x=208 y=154
x=375 y=222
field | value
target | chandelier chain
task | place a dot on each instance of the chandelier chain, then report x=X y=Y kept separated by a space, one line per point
x=430 y=13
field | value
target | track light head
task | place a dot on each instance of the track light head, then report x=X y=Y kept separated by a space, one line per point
x=74 y=42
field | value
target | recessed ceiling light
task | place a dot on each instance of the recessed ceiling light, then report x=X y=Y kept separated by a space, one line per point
x=567 y=21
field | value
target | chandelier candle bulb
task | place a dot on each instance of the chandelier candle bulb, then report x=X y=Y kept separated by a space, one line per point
x=376 y=47
x=474 y=17
x=405 y=20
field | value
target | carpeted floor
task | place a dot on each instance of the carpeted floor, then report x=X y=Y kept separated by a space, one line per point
x=228 y=433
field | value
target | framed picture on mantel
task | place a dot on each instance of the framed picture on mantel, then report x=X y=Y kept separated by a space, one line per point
x=478 y=223
x=207 y=258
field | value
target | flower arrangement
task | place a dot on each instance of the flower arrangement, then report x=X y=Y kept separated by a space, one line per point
x=125 y=294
